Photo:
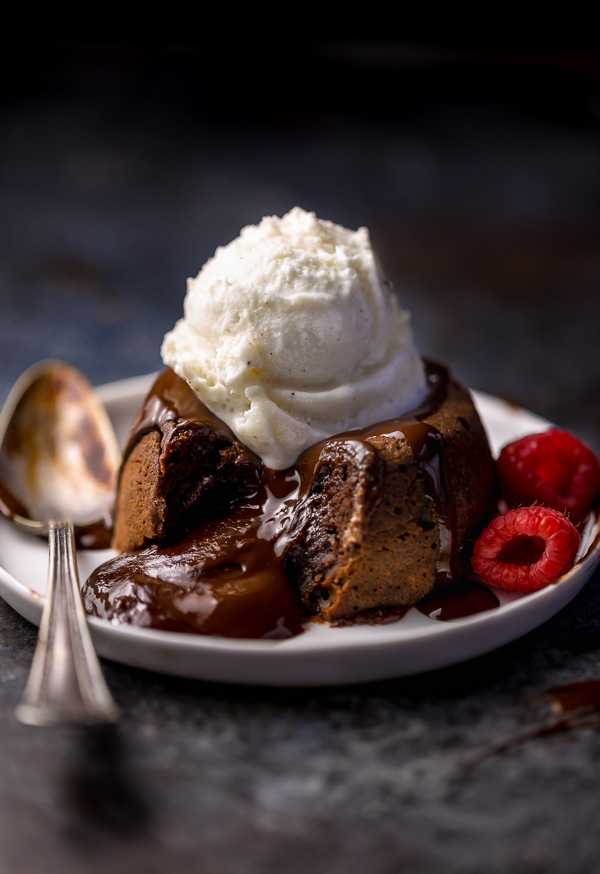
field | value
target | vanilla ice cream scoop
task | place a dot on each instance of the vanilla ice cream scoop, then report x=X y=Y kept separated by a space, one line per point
x=290 y=335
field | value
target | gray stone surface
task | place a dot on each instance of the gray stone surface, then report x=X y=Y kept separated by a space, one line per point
x=119 y=174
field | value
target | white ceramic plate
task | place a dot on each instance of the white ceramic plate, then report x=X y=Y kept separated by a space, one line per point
x=322 y=655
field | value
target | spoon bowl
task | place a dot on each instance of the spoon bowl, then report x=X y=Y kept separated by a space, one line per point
x=59 y=456
x=59 y=460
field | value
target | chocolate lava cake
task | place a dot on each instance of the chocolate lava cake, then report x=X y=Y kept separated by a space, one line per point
x=363 y=525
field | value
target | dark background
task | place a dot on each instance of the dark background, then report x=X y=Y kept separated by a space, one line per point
x=476 y=165
x=123 y=166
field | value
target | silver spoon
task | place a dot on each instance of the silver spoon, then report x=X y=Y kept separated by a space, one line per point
x=59 y=459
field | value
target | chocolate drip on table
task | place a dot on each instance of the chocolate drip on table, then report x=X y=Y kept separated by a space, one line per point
x=574 y=706
x=228 y=576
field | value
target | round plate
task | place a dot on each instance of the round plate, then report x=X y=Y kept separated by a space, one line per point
x=322 y=655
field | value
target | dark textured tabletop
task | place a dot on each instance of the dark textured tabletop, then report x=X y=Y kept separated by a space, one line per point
x=478 y=173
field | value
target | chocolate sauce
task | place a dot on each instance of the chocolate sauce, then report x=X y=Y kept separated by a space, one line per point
x=574 y=705
x=225 y=577
x=171 y=401
x=228 y=576
x=581 y=698
x=464 y=597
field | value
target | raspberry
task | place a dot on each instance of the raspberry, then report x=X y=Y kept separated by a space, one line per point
x=526 y=549
x=553 y=468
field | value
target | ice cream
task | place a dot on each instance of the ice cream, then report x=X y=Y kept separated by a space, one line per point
x=291 y=335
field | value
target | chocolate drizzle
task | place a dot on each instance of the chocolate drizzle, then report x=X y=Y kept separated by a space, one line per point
x=228 y=575
x=171 y=401
x=454 y=600
x=224 y=577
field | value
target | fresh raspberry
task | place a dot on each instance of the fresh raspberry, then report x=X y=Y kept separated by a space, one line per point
x=526 y=549
x=553 y=468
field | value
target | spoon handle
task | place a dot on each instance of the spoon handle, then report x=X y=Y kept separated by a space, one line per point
x=65 y=684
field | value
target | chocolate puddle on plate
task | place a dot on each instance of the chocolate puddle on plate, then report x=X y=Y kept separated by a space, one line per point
x=465 y=597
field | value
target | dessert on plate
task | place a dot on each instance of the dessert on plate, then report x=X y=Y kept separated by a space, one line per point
x=296 y=457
